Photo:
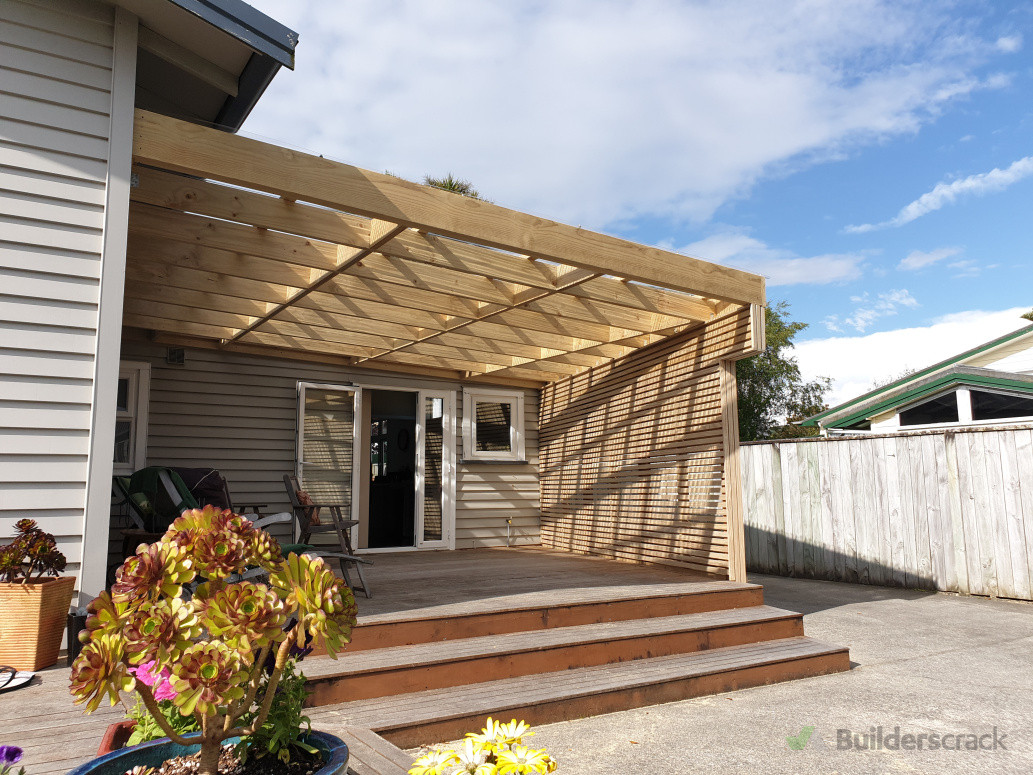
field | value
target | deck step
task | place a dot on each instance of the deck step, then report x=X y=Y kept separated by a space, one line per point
x=549 y=609
x=437 y=715
x=404 y=669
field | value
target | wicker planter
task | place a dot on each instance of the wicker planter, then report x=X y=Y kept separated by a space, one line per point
x=32 y=621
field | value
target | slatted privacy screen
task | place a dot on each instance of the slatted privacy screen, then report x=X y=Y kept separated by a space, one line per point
x=944 y=510
x=633 y=453
x=329 y=444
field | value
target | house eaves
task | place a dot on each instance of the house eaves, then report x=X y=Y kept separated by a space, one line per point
x=951 y=377
x=827 y=418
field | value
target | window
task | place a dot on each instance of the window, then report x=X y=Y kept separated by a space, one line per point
x=131 y=395
x=1000 y=406
x=493 y=425
x=941 y=409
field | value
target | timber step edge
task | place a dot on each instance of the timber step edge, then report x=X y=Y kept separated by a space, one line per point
x=593 y=607
x=438 y=715
x=407 y=669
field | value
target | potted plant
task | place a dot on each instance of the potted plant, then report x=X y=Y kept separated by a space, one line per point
x=34 y=598
x=176 y=625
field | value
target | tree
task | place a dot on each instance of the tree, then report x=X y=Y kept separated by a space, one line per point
x=453 y=184
x=771 y=387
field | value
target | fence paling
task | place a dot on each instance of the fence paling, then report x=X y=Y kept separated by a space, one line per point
x=949 y=510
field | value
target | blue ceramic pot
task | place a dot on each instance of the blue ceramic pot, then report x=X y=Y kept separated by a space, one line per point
x=154 y=753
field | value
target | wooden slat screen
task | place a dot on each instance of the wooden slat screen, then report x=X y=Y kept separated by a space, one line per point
x=632 y=452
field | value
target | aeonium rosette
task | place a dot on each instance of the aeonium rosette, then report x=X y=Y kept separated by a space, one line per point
x=206 y=654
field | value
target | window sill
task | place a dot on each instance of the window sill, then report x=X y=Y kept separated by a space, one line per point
x=467 y=461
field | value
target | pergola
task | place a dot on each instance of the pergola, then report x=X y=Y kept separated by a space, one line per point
x=248 y=246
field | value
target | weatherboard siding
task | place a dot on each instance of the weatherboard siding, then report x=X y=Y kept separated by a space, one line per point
x=56 y=71
x=238 y=413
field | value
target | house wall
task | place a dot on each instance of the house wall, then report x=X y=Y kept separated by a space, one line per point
x=63 y=70
x=633 y=452
x=948 y=510
x=238 y=413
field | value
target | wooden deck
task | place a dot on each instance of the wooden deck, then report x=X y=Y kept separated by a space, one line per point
x=603 y=634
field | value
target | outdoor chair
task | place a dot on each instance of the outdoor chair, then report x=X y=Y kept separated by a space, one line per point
x=306 y=515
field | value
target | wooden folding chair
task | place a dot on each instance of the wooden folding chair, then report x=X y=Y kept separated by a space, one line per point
x=305 y=515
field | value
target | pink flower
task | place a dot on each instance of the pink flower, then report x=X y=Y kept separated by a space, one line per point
x=160 y=684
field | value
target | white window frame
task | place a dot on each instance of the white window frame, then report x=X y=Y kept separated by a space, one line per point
x=515 y=398
x=138 y=399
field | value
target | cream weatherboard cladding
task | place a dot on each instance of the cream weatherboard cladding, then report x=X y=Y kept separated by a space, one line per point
x=65 y=71
x=238 y=413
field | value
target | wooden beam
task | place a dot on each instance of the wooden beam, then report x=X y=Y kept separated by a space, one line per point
x=187 y=60
x=346 y=257
x=732 y=473
x=176 y=192
x=185 y=147
x=146 y=220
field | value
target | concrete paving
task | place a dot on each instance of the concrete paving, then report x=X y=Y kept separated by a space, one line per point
x=930 y=664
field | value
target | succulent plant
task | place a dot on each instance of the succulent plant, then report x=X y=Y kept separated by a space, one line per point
x=31 y=552
x=214 y=647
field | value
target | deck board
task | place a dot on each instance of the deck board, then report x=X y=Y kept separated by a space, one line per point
x=57 y=736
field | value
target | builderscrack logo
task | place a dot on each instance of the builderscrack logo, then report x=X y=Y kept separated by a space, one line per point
x=877 y=738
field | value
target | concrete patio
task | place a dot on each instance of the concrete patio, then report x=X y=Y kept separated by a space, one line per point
x=928 y=663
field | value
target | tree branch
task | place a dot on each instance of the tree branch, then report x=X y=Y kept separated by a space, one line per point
x=152 y=707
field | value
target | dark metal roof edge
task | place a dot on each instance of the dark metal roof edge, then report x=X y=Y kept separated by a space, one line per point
x=254 y=80
x=262 y=33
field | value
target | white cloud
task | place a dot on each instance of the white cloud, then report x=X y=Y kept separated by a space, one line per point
x=867 y=310
x=919 y=259
x=854 y=363
x=779 y=266
x=1009 y=44
x=947 y=193
x=595 y=112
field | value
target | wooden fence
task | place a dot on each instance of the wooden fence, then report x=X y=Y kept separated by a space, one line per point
x=945 y=510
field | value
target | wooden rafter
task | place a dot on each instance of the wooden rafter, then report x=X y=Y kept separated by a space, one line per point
x=196 y=150
x=286 y=253
x=176 y=192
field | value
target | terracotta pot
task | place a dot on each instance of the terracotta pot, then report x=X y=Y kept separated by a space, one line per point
x=115 y=736
x=152 y=754
x=32 y=621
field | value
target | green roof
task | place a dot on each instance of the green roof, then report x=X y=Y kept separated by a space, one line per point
x=896 y=384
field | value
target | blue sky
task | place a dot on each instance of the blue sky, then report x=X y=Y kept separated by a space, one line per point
x=873 y=159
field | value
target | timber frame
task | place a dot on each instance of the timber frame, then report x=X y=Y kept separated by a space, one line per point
x=243 y=246
x=240 y=244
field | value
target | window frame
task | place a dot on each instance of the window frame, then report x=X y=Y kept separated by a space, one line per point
x=515 y=398
x=136 y=412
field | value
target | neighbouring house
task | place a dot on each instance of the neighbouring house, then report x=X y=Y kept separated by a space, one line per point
x=991 y=384
x=463 y=375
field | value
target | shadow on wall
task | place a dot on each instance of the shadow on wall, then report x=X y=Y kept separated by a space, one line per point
x=781 y=555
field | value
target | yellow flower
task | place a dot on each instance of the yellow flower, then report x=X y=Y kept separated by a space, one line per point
x=472 y=759
x=433 y=763
x=513 y=732
x=523 y=761
x=487 y=737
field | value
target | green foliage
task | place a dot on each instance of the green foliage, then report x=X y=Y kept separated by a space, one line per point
x=453 y=184
x=147 y=728
x=1028 y=315
x=282 y=730
x=771 y=387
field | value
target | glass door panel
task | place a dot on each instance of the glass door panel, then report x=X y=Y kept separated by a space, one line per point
x=327 y=442
x=435 y=485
